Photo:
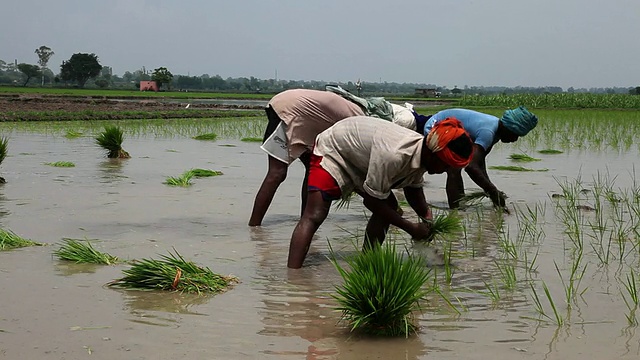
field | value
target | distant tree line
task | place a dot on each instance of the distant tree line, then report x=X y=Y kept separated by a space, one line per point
x=85 y=70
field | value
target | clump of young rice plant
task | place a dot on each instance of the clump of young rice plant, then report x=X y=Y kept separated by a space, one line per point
x=472 y=198
x=209 y=136
x=172 y=273
x=83 y=252
x=345 y=201
x=514 y=168
x=631 y=298
x=251 y=139
x=4 y=148
x=443 y=224
x=205 y=172
x=72 y=134
x=111 y=140
x=381 y=290
x=9 y=240
x=550 y=151
x=61 y=164
x=183 y=180
x=522 y=158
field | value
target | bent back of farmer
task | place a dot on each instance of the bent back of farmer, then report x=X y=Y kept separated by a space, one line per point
x=295 y=118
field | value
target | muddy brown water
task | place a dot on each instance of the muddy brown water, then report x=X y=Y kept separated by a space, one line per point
x=56 y=310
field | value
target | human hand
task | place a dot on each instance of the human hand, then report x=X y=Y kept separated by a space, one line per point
x=421 y=231
x=499 y=200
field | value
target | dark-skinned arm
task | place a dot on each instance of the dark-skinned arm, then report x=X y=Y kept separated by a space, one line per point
x=416 y=199
x=477 y=171
x=382 y=208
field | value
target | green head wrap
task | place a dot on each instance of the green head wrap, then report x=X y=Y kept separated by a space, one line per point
x=519 y=121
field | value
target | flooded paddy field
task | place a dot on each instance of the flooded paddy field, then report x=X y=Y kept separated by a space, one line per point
x=555 y=279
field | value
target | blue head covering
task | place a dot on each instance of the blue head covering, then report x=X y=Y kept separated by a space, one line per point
x=519 y=121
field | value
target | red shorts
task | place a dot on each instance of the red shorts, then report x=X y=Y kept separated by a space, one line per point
x=321 y=180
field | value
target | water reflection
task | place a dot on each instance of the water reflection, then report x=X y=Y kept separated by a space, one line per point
x=297 y=304
x=111 y=170
x=69 y=268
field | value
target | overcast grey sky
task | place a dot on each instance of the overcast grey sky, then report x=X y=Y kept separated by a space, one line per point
x=579 y=43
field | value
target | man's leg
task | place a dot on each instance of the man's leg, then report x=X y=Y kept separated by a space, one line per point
x=314 y=215
x=305 y=158
x=455 y=187
x=378 y=226
x=276 y=174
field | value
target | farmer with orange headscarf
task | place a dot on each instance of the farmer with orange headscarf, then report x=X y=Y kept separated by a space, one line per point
x=372 y=156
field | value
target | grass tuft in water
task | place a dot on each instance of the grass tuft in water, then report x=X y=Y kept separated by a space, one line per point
x=523 y=158
x=205 y=172
x=209 y=136
x=183 y=180
x=514 y=168
x=472 y=198
x=172 y=273
x=9 y=240
x=381 y=290
x=111 y=140
x=550 y=151
x=83 y=252
x=61 y=164
x=443 y=224
x=251 y=139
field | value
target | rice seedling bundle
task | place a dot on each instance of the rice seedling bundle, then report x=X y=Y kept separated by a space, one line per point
x=183 y=180
x=9 y=240
x=4 y=148
x=550 y=151
x=172 y=273
x=381 y=290
x=251 y=139
x=522 y=157
x=205 y=172
x=111 y=140
x=61 y=164
x=83 y=252
x=472 y=198
x=209 y=136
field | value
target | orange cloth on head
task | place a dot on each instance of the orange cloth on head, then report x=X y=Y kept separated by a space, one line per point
x=440 y=135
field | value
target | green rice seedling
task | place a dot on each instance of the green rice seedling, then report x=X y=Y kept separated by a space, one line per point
x=61 y=164
x=522 y=158
x=209 y=136
x=471 y=199
x=251 y=139
x=183 y=180
x=111 y=140
x=4 y=149
x=514 y=168
x=172 y=273
x=631 y=298
x=443 y=224
x=507 y=272
x=9 y=240
x=493 y=291
x=345 y=201
x=83 y=252
x=72 y=134
x=381 y=290
x=550 y=151
x=205 y=172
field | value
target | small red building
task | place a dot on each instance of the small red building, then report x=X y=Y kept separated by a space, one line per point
x=148 y=85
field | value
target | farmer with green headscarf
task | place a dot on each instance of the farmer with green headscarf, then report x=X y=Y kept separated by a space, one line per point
x=485 y=131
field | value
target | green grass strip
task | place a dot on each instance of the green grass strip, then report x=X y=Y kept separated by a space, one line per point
x=61 y=164
x=523 y=158
x=514 y=168
x=183 y=180
x=550 y=151
x=251 y=139
x=205 y=172
x=210 y=136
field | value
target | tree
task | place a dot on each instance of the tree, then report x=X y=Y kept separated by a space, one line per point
x=80 y=67
x=44 y=54
x=162 y=76
x=29 y=71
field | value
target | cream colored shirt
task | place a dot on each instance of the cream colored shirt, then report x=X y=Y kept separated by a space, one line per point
x=309 y=112
x=371 y=155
